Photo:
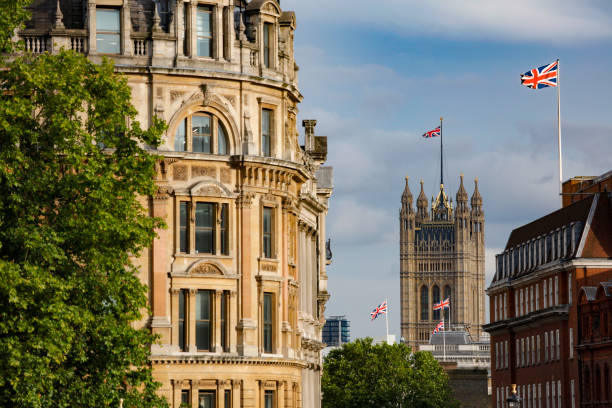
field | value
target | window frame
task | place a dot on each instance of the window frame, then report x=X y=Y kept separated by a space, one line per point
x=268 y=253
x=212 y=393
x=270 y=135
x=217 y=122
x=222 y=226
x=267 y=321
x=108 y=33
x=210 y=320
x=210 y=10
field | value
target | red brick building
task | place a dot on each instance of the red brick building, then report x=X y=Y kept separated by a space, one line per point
x=534 y=302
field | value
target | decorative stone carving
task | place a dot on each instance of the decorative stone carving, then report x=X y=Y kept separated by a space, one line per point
x=163 y=192
x=179 y=172
x=174 y=95
x=208 y=191
x=269 y=267
x=206 y=269
x=245 y=199
x=268 y=198
x=226 y=176
x=200 y=171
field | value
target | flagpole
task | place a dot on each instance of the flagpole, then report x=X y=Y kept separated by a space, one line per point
x=559 y=130
x=387 y=321
x=441 y=155
x=443 y=335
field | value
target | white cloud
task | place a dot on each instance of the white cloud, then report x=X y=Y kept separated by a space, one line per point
x=540 y=21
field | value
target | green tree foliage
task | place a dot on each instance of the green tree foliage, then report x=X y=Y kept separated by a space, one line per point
x=361 y=374
x=72 y=169
x=12 y=15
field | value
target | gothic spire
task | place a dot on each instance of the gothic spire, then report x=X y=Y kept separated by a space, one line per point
x=407 y=195
x=462 y=195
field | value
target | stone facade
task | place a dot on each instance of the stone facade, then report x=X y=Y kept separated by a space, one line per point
x=237 y=281
x=441 y=256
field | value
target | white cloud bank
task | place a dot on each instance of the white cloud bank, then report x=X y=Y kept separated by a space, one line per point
x=540 y=21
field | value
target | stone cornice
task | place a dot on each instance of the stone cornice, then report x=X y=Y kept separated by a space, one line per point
x=231 y=360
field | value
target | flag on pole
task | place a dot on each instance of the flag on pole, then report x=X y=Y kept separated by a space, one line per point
x=439 y=327
x=381 y=309
x=542 y=77
x=432 y=133
x=443 y=304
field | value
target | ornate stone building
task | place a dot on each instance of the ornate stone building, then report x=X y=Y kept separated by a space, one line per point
x=237 y=282
x=441 y=256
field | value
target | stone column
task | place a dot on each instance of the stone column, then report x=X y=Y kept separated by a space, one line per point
x=179 y=27
x=191 y=343
x=247 y=333
x=160 y=323
x=233 y=321
x=127 y=45
x=217 y=322
x=193 y=8
x=315 y=274
x=280 y=394
x=194 y=393
x=176 y=392
x=91 y=25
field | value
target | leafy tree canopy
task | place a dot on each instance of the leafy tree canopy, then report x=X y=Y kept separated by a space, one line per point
x=72 y=169
x=361 y=374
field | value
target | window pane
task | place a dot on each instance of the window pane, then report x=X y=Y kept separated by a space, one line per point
x=267 y=232
x=266 y=46
x=108 y=20
x=435 y=299
x=206 y=399
x=185 y=397
x=200 y=132
x=179 y=137
x=267 y=321
x=203 y=313
x=424 y=303
x=204 y=228
x=269 y=399
x=108 y=31
x=228 y=399
x=183 y=227
x=108 y=43
x=204 y=25
x=223 y=231
x=222 y=140
x=266 y=116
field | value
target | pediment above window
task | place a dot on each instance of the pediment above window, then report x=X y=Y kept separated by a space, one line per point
x=205 y=268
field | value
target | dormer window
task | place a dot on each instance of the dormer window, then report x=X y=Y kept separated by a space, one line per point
x=108 y=30
x=267 y=33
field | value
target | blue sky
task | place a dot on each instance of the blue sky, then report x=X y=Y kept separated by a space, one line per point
x=376 y=75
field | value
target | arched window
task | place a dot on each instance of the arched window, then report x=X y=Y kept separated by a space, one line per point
x=424 y=303
x=435 y=295
x=201 y=133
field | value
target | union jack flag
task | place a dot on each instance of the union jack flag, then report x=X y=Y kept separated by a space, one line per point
x=541 y=77
x=432 y=133
x=443 y=304
x=439 y=327
x=382 y=309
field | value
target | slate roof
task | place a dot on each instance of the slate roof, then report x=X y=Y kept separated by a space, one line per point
x=578 y=211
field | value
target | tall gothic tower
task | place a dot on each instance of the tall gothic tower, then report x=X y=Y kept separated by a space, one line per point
x=441 y=255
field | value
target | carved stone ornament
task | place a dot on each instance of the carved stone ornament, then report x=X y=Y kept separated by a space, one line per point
x=269 y=198
x=226 y=176
x=206 y=269
x=174 y=95
x=208 y=191
x=268 y=267
x=179 y=172
x=207 y=171
x=245 y=199
x=163 y=192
